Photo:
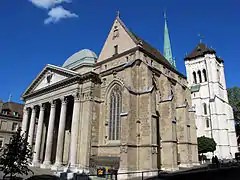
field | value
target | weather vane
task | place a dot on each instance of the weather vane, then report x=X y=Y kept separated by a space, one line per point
x=10 y=98
x=201 y=37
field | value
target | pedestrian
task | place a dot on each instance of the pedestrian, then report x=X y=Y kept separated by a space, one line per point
x=213 y=162
x=217 y=161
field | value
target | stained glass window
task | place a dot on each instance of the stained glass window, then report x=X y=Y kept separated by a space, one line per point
x=115 y=110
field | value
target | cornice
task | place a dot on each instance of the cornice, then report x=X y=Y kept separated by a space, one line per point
x=66 y=72
x=80 y=79
x=50 y=88
x=117 y=56
x=5 y=117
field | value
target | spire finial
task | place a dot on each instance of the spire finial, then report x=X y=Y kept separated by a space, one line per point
x=165 y=14
x=201 y=37
x=118 y=14
x=9 y=98
x=167 y=43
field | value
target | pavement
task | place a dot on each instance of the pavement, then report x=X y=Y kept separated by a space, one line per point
x=37 y=171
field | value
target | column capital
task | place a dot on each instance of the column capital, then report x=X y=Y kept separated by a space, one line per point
x=34 y=108
x=64 y=100
x=42 y=107
x=76 y=96
x=52 y=102
x=26 y=108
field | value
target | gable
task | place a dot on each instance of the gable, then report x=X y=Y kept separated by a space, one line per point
x=49 y=76
x=118 y=36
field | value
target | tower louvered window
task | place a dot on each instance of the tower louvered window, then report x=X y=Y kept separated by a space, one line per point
x=204 y=75
x=115 y=110
x=194 y=77
x=200 y=76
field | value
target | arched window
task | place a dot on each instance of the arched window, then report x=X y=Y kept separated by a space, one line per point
x=200 y=76
x=207 y=123
x=218 y=75
x=115 y=110
x=205 y=108
x=204 y=74
x=194 y=77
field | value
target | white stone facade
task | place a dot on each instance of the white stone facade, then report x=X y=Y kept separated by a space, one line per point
x=214 y=115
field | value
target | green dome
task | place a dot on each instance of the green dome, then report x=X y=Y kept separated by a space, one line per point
x=83 y=57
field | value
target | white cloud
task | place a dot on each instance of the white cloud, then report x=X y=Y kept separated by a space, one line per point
x=46 y=4
x=58 y=13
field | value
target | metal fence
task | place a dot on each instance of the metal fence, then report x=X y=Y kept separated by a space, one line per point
x=114 y=175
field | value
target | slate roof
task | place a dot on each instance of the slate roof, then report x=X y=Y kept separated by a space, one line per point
x=153 y=51
x=200 y=50
x=13 y=107
x=147 y=47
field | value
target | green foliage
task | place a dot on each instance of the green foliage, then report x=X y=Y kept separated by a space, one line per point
x=206 y=144
x=234 y=101
x=16 y=156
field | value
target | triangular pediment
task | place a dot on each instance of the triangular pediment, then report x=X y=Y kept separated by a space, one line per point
x=119 y=36
x=49 y=76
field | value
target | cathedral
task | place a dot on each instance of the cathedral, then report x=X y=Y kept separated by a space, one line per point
x=128 y=108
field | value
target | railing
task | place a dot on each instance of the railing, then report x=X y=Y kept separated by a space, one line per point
x=114 y=175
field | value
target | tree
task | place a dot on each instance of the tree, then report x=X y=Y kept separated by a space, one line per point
x=16 y=156
x=206 y=144
x=234 y=101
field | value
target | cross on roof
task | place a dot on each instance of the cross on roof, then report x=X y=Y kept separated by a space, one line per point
x=201 y=37
x=118 y=13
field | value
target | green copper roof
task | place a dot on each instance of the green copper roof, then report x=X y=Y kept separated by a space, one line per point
x=83 y=57
x=195 y=88
x=167 y=44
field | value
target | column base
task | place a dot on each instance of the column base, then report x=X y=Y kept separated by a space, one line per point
x=170 y=169
x=196 y=164
x=57 y=166
x=185 y=165
x=46 y=165
x=36 y=163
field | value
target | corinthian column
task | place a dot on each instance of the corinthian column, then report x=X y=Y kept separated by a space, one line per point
x=48 y=152
x=61 y=133
x=74 y=130
x=32 y=126
x=25 y=120
x=38 y=137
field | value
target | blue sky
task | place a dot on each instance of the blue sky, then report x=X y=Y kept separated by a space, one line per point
x=33 y=35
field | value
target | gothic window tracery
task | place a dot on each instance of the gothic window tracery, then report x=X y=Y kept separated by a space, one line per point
x=115 y=110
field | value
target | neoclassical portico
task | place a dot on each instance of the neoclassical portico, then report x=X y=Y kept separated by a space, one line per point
x=54 y=111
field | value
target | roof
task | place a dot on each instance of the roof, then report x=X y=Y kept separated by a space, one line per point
x=200 y=50
x=13 y=107
x=148 y=48
x=84 y=56
x=152 y=50
x=195 y=88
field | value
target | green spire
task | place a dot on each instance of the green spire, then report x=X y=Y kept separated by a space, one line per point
x=167 y=43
